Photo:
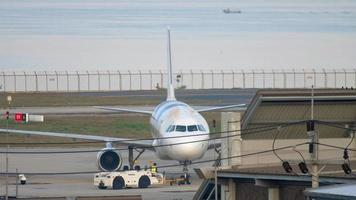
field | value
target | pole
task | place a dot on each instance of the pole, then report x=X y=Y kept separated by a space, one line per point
x=7 y=167
x=215 y=175
x=17 y=182
x=315 y=140
x=312 y=103
x=7 y=149
x=215 y=170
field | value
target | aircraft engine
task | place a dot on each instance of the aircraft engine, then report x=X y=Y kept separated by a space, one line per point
x=109 y=160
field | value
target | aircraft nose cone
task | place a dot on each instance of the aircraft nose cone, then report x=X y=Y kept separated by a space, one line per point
x=187 y=149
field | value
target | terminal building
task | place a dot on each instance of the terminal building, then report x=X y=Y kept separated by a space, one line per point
x=272 y=131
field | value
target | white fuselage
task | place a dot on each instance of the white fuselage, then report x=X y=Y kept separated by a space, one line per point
x=187 y=127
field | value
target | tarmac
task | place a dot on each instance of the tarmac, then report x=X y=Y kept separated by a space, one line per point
x=60 y=185
x=82 y=184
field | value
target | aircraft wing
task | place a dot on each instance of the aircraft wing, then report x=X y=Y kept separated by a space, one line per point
x=125 y=110
x=136 y=143
x=243 y=106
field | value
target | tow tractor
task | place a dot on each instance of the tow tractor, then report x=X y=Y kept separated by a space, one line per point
x=140 y=178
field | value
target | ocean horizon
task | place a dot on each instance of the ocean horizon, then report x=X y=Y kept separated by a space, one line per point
x=92 y=34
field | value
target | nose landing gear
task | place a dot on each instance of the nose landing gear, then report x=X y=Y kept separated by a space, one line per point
x=185 y=178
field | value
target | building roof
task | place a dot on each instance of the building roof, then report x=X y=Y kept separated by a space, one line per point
x=282 y=106
x=331 y=174
x=344 y=191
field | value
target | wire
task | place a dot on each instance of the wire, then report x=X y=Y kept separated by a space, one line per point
x=157 y=146
x=352 y=139
x=273 y=147
x=335 y=125
x=148 y=139
x=162 y=166
x=114 y=149
x=333 y=146
x=301 y=155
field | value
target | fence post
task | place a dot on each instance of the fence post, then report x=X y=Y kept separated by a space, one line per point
x=14 y=81
x=78 y=76
x=294 y=83
x=57 y=80
x=150 y=72
x=345 y=78
x=3 y=74
x=139 y=71
x=130 y=86
x=191 y=79
x=304 y=79
x=36 y=79
x=181 y=78
x=212 y=79
x=284 y=79
x=355 y=77
x=99 y=80
x=243 y=79
x=46 y=80
x=223 y=79
x=161 y=74
x=335 y=78
x=264 y=78
x=325 y=79
x=202 y=79
x=120 y=80
x=88 y=76
x=274 y=79
x=314 y=78
x=253 y=78
x=25 y=75
x=67 y=81
x=233 y=78
x=109 y=74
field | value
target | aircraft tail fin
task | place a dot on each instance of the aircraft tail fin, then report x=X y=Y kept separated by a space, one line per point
x=170 y=88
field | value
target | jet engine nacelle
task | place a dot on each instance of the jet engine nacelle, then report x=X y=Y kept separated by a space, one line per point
x=109 y=160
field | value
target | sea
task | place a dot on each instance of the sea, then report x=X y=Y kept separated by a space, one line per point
x=188 y=19
x=33 y=32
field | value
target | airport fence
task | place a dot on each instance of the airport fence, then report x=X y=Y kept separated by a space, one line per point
x=83 y=81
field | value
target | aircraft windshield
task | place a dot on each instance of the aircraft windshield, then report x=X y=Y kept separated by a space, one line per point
x=192 y=128
x=201 y=127
x=170 y=128
x=180 y=128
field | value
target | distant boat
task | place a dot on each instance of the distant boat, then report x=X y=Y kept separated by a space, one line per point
x=229 y=11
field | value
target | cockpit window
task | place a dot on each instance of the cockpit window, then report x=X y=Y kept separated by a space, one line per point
x=201 y=127
x=169 y=128
x=192 y=128
x=180 y=128
x=172 y=128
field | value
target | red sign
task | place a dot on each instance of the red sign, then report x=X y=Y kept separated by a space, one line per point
x=20 y=117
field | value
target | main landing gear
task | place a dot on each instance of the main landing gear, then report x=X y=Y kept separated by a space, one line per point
x=133 y=160
x=185 y=178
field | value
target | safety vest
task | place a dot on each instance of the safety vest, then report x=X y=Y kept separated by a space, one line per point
x=154 y=169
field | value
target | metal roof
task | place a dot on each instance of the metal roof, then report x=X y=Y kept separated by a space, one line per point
x=341 y=192
x=331 y=174
x=276 y=106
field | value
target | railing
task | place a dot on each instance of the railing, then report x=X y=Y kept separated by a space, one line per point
x=81 y=81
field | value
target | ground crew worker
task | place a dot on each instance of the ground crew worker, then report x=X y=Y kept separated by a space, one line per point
x=154 y=169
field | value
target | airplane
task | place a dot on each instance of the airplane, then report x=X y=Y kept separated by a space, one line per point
x=179 y=132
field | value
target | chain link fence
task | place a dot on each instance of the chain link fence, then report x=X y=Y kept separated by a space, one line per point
x=84 y=81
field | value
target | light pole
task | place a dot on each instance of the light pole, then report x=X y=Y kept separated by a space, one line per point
x=314 y=151
x=9 y=99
